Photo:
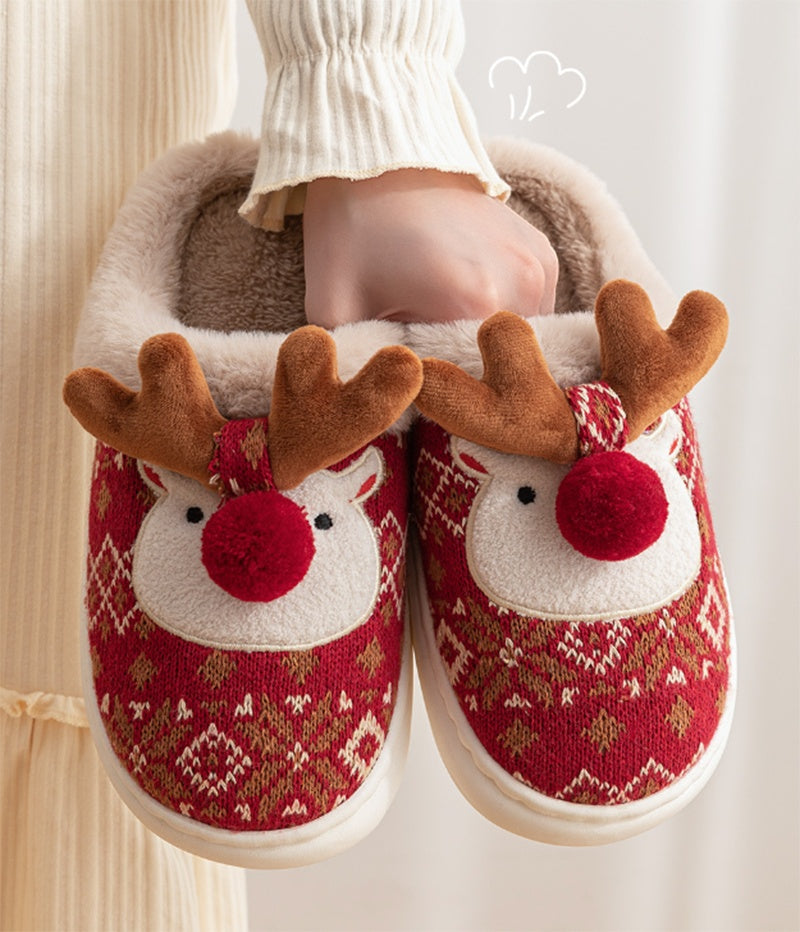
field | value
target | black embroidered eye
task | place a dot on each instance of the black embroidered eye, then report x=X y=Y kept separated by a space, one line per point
x=194 y=515
x=526 y=494
x=323 y=522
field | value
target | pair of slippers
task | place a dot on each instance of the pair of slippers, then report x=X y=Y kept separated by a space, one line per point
x=274 y=508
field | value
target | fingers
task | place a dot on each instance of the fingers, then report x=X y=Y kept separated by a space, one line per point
x=549 y=262
x=416 y=247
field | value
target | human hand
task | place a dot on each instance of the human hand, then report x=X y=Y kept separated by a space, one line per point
x=420 y=245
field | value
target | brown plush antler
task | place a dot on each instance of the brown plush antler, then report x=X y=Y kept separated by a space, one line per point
x=517 y=407
x=171 y=422
x=649 y=368
x=316 y=419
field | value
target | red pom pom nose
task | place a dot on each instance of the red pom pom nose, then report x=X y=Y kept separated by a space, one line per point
x=257 y=547
x=611 y=506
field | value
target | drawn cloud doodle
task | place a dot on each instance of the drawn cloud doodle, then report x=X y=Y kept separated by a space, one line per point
x=538 y=85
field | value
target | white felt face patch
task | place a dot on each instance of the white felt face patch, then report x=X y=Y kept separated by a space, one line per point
x=519 y=557
x=317 y=590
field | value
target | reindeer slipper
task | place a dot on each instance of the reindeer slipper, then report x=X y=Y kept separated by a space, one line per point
x=247 y=672
x=571 y=621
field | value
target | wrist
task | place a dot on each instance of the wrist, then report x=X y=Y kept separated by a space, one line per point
x=394 y=181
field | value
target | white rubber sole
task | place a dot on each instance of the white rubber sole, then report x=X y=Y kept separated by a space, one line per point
x=509 y=803
x=297 y=846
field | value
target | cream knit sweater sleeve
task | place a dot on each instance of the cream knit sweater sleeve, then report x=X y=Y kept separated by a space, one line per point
x=356 y=88
x=91 y=91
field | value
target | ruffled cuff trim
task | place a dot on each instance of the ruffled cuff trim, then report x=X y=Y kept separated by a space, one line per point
x=354 y=96
x=69 y=710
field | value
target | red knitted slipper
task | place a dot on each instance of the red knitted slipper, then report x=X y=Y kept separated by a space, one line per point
x=246 y=633
x=572 y=629
x=246 y=666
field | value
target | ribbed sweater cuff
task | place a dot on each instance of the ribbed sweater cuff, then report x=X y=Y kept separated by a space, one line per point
x=355 y=89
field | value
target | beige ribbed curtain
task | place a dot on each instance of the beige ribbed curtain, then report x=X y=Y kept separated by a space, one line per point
x=92 y=91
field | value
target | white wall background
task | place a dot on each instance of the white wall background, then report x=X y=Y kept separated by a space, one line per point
x=691 y=117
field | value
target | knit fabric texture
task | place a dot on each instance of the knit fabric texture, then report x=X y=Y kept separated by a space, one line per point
x=355 y=90
x=243 y=739
x=599 y=417
x=597 y=710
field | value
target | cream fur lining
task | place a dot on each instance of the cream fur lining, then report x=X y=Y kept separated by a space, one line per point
x=614 y=241
x=569 y=343
x=135 y=288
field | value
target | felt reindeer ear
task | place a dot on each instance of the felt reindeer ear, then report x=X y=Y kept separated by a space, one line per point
x=315 y=419
x=517 y=407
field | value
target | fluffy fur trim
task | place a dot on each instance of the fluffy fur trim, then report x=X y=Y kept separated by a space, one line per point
x=134 y=292
x=136 y=288
x=569 y=342
x=570 y=196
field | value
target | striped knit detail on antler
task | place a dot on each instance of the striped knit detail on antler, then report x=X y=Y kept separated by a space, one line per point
x=241 y=463
x=517 y=407
x=316 y=420
x=599 y=416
